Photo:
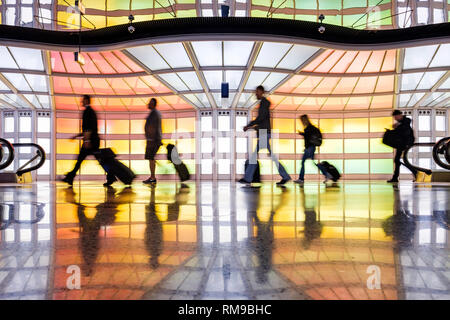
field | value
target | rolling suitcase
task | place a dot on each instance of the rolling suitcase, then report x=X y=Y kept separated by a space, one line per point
x=257 y=174
x=331 y=170
x=180 y=167
x=107 y=159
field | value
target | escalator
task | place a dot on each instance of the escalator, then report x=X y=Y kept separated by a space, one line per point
x=23 y=174
x=441 y=156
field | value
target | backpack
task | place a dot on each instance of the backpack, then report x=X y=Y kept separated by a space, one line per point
x=316 y=137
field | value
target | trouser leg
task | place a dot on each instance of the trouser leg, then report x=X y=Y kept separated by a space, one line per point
x=281 y=170
x=398 y=154
x=252 y=165
x=302 y=169
x=81 y=156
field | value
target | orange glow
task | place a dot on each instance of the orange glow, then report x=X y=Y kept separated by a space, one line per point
x=331 y=60
x=155 y=85
x=382 y=102
x=359 y=62
x=317 y=61
x=358 y=103
x=308 y=84
x=61 y=85
x=345 y=86
x=326 y=86
x=101 y=64
x=389 y=61
x=120 y=86
x=365 y=85
x=66 y=103
x=375 y=61
x=335 y=103
x=312 y=104
x=177 y=103
x=291 y=84
x=117 y=126
x=81 y=85
x=112 y=62
x=67 y=125
x=385 y=84
x=344 y=62
x=139 y=86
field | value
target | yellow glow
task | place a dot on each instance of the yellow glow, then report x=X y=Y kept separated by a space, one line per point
x=67 y=125
x=67 y=146
x=283 y=146
x=91 y=167
x=119 y=146
x=331 y=146
x=186 y=125
x=331 y=125
x=138 y=146
x=186 y=145
x=356 y=125
x=283 y=125
x=117 y=126
x=168 y=125
x=64 y=166
x=137 y=126
x=380 y=124
x=377 y=146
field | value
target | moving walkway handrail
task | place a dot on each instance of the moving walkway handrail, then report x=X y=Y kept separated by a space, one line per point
x=406 y=160
x=442 y=147
x=10 y=148
x=39 y=153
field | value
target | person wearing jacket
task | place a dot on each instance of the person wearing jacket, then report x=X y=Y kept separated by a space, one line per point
x=91 y=141
x=310 y=148
x=403 y=129
x=262 y=126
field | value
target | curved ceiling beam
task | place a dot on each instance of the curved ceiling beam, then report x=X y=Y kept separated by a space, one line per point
x=217 y=28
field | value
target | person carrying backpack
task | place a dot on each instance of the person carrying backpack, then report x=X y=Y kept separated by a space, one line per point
x=405 y=137
x=313 y=139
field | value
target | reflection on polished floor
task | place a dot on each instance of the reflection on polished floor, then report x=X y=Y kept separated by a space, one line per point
x=222 y=241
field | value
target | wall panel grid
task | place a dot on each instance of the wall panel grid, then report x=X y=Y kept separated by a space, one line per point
x=352 y=142
x=29 y=126
x=124 y=134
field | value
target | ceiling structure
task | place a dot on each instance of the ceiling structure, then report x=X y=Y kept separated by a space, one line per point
x=360 y=14
x=186 y=75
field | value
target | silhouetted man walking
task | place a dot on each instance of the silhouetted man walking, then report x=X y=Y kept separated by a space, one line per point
x=262 y=126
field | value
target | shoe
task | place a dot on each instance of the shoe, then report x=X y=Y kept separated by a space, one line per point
x=299 y=181
x=243 y=181
x=68 y=180
x=392 y=181
x=108 y=183
x=282 y=182
x=149 y=181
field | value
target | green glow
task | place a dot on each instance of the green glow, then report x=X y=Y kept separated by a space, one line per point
x=357 y=166
x=331 y=146
x=356 y=145
x=377 y=146
x=381 y=166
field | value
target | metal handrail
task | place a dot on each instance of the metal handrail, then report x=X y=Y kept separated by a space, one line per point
x=442 y=147
x=39 y=153
x=405 y=156
x=10 y=148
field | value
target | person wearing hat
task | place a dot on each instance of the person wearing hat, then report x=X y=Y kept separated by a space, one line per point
x=402 y=127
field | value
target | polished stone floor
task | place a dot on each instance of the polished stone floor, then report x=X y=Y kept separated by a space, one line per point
x=357 y=240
